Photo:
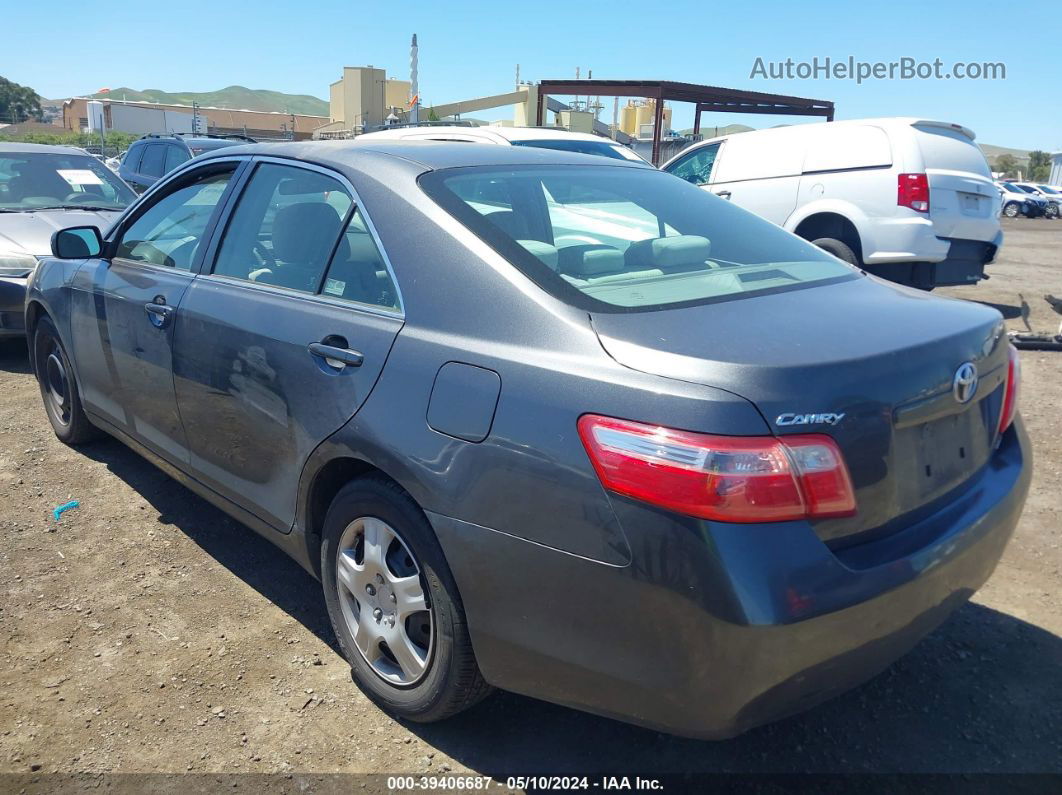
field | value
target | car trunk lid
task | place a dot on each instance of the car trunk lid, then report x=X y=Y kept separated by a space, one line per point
x=869 y=364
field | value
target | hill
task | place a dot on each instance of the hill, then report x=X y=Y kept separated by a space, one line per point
x=231 y=98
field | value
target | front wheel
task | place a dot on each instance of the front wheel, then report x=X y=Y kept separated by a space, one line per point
x=1052 y=211
x=62 y=401
x=394 y=606
x=1011 y=210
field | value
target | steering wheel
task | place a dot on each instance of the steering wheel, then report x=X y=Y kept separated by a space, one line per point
x=264 y=255
x=82 y=198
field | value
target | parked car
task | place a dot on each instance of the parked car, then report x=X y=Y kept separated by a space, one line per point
x=157 y=154
x=548 y=422
x=1015 y=202
x=1052 y=201
x=42 y=189
x=539 y=137
x=114 y=163
x=908 y=200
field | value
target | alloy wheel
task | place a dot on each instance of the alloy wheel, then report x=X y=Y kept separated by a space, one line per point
x=383 y=601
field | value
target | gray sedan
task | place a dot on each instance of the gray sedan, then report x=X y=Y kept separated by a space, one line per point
x=547 y=422
x=42 y=190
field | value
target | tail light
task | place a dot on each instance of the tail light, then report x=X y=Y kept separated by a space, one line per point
x=1010 y=390
x=726 y=478
x=912 y=190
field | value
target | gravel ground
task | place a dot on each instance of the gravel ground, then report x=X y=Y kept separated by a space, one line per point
x=147 y=632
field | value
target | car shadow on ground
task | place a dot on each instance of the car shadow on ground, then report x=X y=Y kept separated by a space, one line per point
x=978 y=695
x=1009 y=312
x=14 y=357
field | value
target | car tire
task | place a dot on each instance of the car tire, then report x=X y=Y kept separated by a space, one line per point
x=55 y=376
x=366 y=607
x=1011 y=210
x=1052 y=211
x=839 y=249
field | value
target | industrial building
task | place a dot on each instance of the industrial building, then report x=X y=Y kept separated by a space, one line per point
x=145 y=117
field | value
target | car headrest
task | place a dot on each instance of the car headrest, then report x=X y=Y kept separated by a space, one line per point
x=543 y=251
x=304 y=233
x=668 y=253
x=596 y=262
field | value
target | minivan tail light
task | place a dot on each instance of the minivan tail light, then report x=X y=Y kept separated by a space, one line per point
x=1010 y=390
x=912 y=190
x=725 y=478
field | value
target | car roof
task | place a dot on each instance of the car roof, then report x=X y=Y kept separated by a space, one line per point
x=487 y=132
x=431 y=155
x=55 y=149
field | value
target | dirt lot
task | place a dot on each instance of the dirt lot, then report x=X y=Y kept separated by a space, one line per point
x=146 y=632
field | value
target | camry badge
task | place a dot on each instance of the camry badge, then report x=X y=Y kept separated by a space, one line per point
x=827 y=418
x=964 y=384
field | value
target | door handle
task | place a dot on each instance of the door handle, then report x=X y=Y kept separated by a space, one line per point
x=335 y=356
x=159 y=314
x=723 y=194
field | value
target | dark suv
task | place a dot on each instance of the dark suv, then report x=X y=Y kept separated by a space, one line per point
x=157 y=154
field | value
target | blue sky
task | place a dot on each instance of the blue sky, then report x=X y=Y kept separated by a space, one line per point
x=470 y=49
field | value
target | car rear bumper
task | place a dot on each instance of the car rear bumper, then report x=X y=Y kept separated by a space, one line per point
x=713 y=629
x=12 y=307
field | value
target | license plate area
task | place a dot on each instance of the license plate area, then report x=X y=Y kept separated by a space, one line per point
x=936 y=456
x=970 y=203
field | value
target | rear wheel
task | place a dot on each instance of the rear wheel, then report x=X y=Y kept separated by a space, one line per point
x=62 y=401
x=1052 y=211
x=839 y=249
x=1011 y=210
x=394 y=606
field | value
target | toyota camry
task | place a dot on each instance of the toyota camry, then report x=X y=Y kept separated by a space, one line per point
x=547 y=422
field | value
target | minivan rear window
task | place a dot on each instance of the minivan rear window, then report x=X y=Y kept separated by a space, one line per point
x=614 y=238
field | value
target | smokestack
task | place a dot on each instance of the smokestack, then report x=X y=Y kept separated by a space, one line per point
x=414 y=89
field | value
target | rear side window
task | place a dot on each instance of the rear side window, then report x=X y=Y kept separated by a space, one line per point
x=613 y=238
x=175 y=155
x=154 y=161
x=299 y=229
x=284 y=228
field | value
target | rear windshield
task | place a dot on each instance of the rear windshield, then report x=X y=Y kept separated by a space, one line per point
x=603 y=148
x=625 y=239
x=950 y=150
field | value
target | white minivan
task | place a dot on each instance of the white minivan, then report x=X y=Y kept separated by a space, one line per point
x=907 y=199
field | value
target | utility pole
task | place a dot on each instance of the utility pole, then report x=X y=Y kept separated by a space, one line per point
x=414 y=87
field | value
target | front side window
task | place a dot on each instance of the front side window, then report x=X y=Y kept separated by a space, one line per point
x=696 y=167
x=284 y=228
x=169 y=232
x=611 y=238
x=43 y=180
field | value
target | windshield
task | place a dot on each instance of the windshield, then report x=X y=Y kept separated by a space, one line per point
x=38 y=180
x=1020 y=188
x=1048 y=189
x=622 y=239
x=603 y=148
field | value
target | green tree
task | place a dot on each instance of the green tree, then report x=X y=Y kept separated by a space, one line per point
x=1039 y=166
x=18 y=103
x=432 y=115
x=1007 y=165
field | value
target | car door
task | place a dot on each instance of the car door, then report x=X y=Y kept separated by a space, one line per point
x=283 y=336
x=123 y=307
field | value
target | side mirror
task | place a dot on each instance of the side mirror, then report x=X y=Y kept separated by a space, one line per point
x=77 y=242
